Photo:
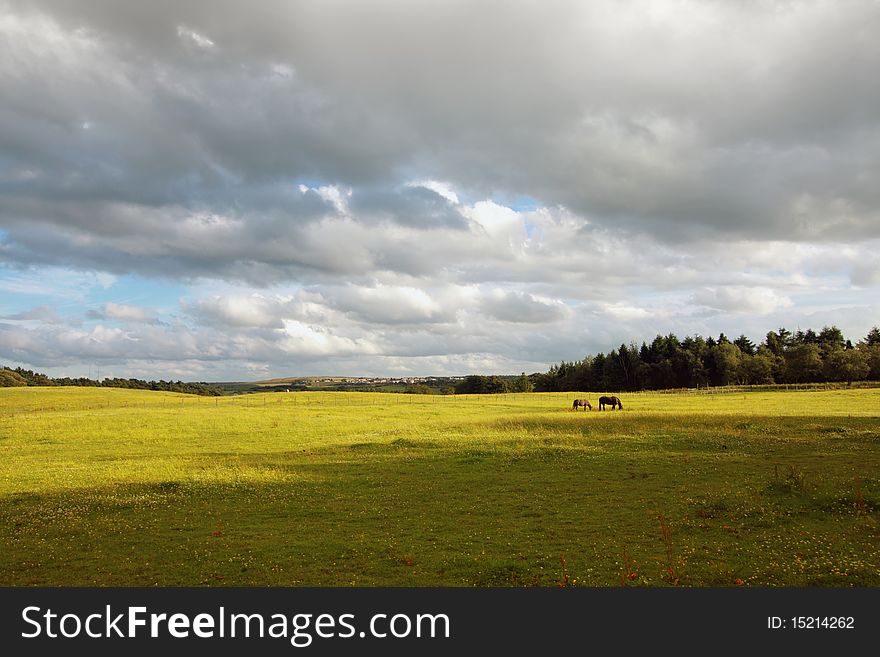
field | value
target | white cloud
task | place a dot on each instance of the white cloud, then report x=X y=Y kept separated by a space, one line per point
x=238 y=311
x=740 y=299
x=498 y=221
x=624 y=311
x=194 y=37
x=396 y=304
x=304 y=340
x=128 y=313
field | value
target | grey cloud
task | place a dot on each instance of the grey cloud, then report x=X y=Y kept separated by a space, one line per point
x=46 y=314
x=308 y=237
x=410 y=205
x=522 y=307
x=717 y=120
x=866 y=273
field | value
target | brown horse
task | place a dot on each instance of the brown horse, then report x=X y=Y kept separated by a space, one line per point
x=582 y=402
x=613 y=402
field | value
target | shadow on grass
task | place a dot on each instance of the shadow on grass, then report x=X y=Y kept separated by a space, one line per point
x=421 y=513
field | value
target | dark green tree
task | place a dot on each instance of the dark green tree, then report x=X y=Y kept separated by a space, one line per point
x=830 y=339
x=522 y=384
x=846 y=365
x=745 y=345
x=803 y=363
x=756 y=370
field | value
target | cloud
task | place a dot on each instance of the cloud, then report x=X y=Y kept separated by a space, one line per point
x=53 y=282
x=124 y=313
x=867 y=273
x=397 y=304
x=738 y=299
x=238 y=311
x=424 y=205
x=524 y=308
x=444 y=189
x=328 y=183
x=45 y=314
x=194 y=37
x=573 y=118
x=625 y=311
x=304 y=340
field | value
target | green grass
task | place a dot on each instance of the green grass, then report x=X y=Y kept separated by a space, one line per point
x=117 y=487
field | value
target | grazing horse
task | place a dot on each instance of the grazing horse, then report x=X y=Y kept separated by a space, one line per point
x=613 y=402
x=582 y=402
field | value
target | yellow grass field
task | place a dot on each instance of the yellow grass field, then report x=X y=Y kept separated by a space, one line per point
x=119 y=487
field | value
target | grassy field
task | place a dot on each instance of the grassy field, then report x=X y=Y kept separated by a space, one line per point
x=117 y=487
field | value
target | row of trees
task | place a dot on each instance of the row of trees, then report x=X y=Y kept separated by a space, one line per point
x=22 y=377
x=783 y=357
x=476 y=385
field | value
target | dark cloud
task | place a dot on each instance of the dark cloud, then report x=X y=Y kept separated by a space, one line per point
x=720 y=119
x=411 y=205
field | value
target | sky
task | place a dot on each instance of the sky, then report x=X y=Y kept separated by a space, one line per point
x=234 y=191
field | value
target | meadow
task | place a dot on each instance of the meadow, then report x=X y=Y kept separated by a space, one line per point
x=115 y=487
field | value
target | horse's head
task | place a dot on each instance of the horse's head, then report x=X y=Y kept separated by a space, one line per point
x=619 y=404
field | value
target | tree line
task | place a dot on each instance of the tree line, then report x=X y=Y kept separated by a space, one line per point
x=21 y=377
x=696 y=362
x=490 y=385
